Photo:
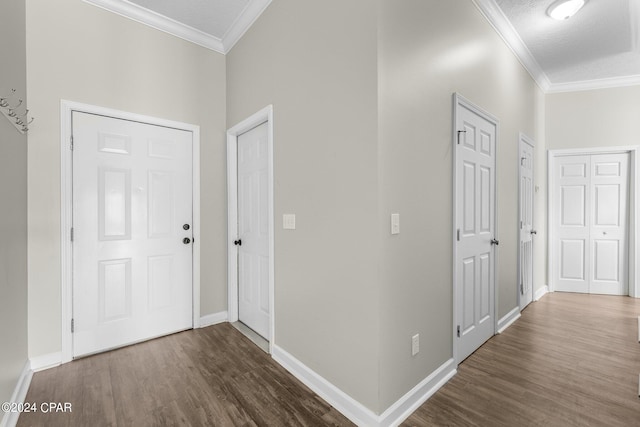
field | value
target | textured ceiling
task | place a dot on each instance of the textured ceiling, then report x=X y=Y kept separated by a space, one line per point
x=599 y=42
x=214 y=17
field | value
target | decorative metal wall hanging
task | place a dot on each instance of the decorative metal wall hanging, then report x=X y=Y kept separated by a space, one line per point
x=13 y=109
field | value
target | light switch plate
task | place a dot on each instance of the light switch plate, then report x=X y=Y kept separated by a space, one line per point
x=289 y=221
x=395 y=223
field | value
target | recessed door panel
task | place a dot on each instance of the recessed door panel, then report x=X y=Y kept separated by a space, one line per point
x=469 y=293
x=114 y=197
x=114 y=289
x=572 y=259
x=573 y=205
x=469 y=198
x=607 y=206
x=607 y=260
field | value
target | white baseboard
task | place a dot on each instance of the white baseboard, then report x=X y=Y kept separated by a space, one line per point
x=540 y=293
x=213 y=319
x=354 y=410
x=46 y=361
x=407 y=404
x=10 y=419
x=508 y=320
x=340 y=400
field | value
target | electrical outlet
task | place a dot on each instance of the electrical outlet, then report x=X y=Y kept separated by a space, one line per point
x=415 y=344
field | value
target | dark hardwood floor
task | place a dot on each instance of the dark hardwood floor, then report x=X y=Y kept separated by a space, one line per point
x=571 y=360
x=212 y=376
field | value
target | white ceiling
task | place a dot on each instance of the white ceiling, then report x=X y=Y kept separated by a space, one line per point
x=598 y=47
x=214 y=24
x=214 y=17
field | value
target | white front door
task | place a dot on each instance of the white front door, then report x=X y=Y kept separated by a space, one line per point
x=590 y=219
x=475 y=222
x=526 y=223
x=253 y=230
x=132 y=219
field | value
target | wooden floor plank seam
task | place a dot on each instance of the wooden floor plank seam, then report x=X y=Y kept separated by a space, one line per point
x=570 y=360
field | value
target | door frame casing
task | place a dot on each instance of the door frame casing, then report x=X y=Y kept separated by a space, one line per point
x=524 y=139
x=632 y=264
x=263 y=116
x=66 y=207
x=461 y=100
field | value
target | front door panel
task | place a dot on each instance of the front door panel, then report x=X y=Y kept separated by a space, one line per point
x=132 y=196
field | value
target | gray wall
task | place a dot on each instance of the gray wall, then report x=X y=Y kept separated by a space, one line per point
x=82 y=53
x=430 y=49
x=593 y=118
x=13 y=208
x=316 y=63
x=362 y=104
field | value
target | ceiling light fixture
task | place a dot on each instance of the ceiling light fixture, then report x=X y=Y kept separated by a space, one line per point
x=565 y=9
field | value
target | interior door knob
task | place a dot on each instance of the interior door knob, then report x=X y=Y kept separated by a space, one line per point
x=186 y=240
x=534 y=232
x=186 y=227
x=238 y=242
x=495 y=242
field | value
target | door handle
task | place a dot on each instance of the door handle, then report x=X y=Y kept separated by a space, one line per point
x=533 y=232
x=495 y=242
x=186 y=227
x=238 y=242
x=186 y=240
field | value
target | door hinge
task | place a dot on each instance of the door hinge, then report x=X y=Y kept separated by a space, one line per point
x=458 y=331
x=72 y=325
x=72 y=234
x=459 y=132
x=522 y=288
x=71 y=147
x=520 y=224
x=458 y=234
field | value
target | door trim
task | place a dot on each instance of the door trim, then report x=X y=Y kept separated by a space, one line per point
x=262 y=116
x=462 y=101
x=634 y=285
x=66 y=207
x=524 y=139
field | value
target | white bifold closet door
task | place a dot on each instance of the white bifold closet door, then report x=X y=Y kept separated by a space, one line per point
x=590 y=216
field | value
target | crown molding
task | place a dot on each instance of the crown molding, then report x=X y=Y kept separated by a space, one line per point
x=243 y=22
x=160 y=22
x=607 y=83
x=498 y=20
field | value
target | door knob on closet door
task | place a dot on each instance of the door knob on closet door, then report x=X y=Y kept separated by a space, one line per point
x=495 y=242
x=186 y=240
x=237 y=242
x=533 y=232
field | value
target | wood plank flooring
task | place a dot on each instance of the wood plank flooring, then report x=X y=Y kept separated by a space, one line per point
x=571 y=360
x=212 y=376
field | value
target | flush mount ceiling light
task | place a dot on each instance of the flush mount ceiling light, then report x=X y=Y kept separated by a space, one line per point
x=565 y=9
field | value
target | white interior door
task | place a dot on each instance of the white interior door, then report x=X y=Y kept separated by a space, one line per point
x=253 y=230
x=591 y=219
x=132 y=208
x=609 y=219
x=526 y=223
x=475 y=222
